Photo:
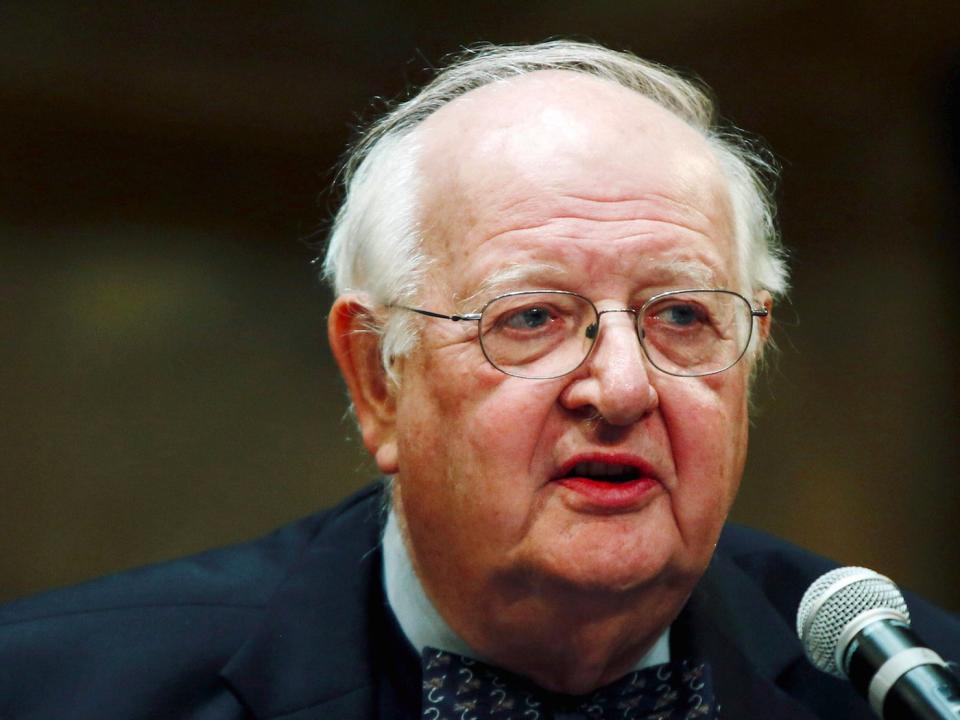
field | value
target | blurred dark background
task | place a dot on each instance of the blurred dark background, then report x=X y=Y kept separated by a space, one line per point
x=164 y=172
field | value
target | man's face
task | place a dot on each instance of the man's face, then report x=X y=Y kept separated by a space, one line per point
x=557 y=181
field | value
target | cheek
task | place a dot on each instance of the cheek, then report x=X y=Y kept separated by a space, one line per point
x=707 y=425
x=509 y=425
x=465 y=482
x=472 y=439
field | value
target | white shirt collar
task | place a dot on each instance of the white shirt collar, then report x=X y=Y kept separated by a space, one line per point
x=421 y=622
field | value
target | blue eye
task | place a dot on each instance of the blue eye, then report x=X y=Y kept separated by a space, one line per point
x=528 y=319
x=681 y=315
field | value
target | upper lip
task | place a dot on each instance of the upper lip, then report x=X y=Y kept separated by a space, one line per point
x=600 y=464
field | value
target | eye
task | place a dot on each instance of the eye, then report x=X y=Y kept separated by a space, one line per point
x=534 y=316
x=529 y=318
x=681 y=314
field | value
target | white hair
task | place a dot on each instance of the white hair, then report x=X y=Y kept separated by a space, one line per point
x=374 y=247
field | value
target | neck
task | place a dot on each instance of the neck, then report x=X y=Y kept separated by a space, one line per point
x=567 y=644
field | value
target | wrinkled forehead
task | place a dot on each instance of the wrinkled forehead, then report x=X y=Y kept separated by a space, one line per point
x=533 y=143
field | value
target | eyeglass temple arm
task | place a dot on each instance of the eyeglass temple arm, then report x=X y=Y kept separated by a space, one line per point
x=429 y=313
x=759 y=312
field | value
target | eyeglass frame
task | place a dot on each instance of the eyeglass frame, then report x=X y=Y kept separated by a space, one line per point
x=755 y=312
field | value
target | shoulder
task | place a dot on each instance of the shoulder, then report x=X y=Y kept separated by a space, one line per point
x=173 y=624
x=241 y=576
x=784 y=571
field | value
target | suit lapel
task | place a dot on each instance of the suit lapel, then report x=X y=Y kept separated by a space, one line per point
x=728 y=621
x=311 y=656
x=759 y=667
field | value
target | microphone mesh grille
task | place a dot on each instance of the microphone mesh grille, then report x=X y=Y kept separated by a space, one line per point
x=836 y=599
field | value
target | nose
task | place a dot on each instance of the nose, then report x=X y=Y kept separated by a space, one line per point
x=614 y=381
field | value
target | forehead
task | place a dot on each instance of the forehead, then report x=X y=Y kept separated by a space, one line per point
x=555 y=159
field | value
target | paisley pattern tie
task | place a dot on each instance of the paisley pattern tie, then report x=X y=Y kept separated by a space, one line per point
x=459 y=688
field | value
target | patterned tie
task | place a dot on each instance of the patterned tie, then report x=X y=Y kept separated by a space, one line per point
x=459 y=688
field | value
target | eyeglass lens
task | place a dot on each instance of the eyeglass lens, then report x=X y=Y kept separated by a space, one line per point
x=549 y=334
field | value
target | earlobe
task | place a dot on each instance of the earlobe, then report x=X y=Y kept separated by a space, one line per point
x=355 y=343
x=765 y=323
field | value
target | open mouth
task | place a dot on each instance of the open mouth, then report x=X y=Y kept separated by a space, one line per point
x=613 y=473
x=607 y=482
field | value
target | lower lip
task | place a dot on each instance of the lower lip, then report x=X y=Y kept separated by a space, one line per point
x=610 y=496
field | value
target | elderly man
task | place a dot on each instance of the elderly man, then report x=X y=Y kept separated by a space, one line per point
x=554 y=279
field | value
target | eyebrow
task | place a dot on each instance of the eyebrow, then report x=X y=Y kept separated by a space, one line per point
x=507 y=279
x=687 y=270
x=679 y=272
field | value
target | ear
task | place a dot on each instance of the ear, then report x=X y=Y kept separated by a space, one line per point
x=765 y=323
x=356 y=347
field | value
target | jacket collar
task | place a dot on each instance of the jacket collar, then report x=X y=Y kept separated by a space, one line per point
x=729 y=621
x=311 y=656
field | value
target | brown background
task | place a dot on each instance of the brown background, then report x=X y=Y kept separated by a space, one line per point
x=166 y=385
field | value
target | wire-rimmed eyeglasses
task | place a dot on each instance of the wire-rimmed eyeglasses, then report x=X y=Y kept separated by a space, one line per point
x=544 y=334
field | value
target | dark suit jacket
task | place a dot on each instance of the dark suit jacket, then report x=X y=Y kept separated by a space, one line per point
x=295 y=626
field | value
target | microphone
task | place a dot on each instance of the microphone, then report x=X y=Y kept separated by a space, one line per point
x=854 y=624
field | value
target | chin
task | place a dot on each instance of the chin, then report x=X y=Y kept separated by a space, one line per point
x=608 y=568
x=613 y=581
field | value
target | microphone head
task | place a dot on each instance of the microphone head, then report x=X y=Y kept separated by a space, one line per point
x=835 y=603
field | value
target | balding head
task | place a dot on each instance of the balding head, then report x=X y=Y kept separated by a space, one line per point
x=554 y=136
